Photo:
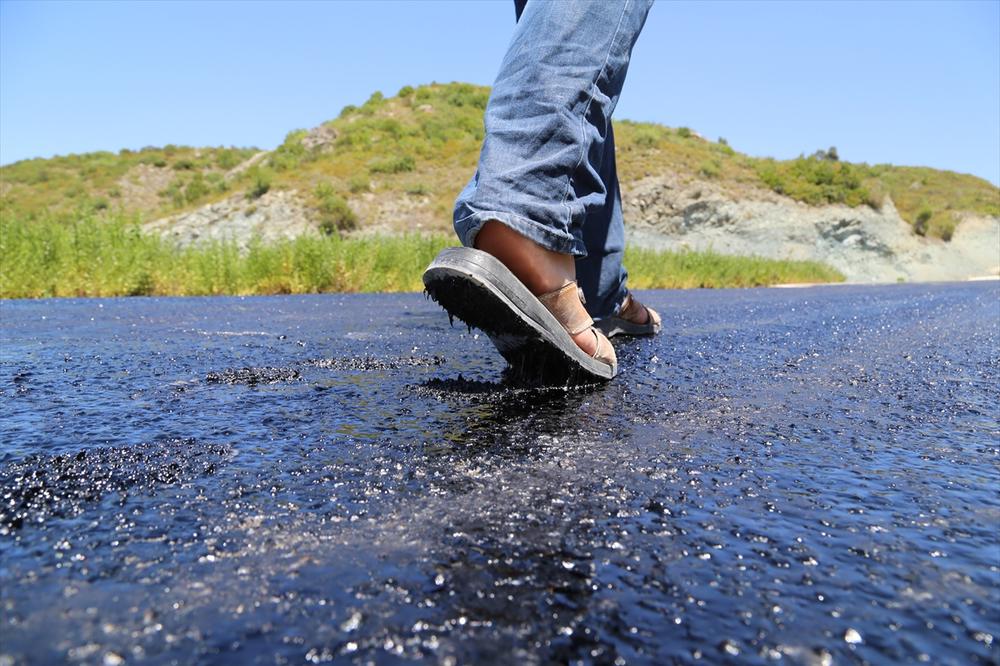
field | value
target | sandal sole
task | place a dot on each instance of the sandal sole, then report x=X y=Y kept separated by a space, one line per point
x=479 y=290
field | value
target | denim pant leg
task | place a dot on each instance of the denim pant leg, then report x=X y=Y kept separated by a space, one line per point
x=601 y=274
x=548 y=120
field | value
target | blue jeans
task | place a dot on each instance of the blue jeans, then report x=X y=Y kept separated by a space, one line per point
x=547 y=166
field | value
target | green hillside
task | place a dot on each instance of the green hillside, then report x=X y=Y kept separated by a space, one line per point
x=423 y=143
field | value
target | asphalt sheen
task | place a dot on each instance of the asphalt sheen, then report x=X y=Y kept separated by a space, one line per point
x=797 y=476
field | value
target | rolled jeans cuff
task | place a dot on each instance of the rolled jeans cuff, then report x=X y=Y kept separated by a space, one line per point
x=468 y=227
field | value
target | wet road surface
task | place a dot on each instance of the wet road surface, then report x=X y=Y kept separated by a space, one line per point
x=796 y=476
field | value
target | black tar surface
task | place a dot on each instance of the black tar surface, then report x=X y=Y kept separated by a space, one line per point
x=795 y=476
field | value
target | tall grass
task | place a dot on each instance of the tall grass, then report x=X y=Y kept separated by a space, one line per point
x=113 y=258
x=649 y=269
x=97 y=257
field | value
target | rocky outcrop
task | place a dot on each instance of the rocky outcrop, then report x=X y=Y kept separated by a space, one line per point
x=275 y=215
x=320 y=138
x=866 y=245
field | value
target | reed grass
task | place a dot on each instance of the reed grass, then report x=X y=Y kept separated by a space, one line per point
x=98 y=257
x=649 y=269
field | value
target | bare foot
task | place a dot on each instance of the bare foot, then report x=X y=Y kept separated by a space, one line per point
x=541 y=270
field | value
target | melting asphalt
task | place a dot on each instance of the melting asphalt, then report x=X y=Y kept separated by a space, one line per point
x=798 y=476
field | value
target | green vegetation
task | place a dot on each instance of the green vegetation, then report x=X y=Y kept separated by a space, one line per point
x=66 y=187
x=816 y=180
x=260 y=182
x=95 y=257
x=111 y=257
x=399 y=164
x=426 y=140
x=649 y=269
x=916 y=191
x=646 y=149
x=335 y=215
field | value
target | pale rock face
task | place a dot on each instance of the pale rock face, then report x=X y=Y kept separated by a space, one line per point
x=321 y=138
x=275 y=215
x=661 y=212
x=864 y=244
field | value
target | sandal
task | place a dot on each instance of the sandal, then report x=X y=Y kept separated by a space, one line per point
x=531 y=332
x=624 y=323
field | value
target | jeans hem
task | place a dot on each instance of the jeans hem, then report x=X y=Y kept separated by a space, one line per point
x=468 y=228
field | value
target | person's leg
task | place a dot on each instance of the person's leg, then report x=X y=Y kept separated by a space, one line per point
x=519 y=8
x=547 y=122
x=601 y=274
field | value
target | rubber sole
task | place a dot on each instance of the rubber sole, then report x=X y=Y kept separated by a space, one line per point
x=479 y=290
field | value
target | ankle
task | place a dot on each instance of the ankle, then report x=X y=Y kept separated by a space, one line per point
x=540 y=269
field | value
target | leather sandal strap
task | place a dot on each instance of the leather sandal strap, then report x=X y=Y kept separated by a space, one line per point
x=597 y=347
x=627 y=304
x=566 y=306
x=603 y=351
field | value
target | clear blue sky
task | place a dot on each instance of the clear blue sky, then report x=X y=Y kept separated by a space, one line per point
x=903 y=82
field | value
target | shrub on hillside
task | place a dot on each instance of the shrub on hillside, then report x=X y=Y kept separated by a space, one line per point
x=35 y=176
x=946 y=229
x=397 y=164
x=174 y=192
x=815 y=181
x=367 y=132
x=358 y=183
x=196 y=188
x=374 y=103
x=291 y=152
x=335 y=215
x=217 y=181
x=465 y=94
x=710 y=169
x=829 y=155
x=723 y=147
x=920 y=223
x=646 y=137
x=260 y=182
x=227 y=158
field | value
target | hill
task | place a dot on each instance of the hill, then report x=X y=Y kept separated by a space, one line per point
x=396 y=164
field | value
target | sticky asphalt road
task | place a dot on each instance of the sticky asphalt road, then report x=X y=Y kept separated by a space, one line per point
x=806 y=476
